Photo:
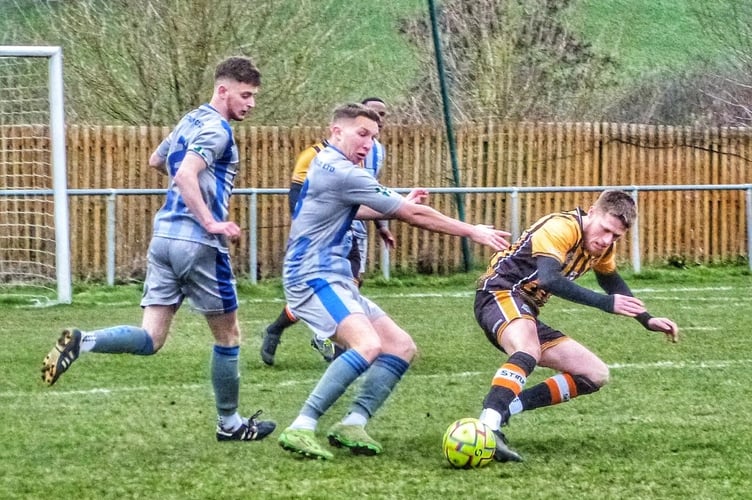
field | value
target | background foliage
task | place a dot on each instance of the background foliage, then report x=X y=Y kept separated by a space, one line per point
x=660 y=61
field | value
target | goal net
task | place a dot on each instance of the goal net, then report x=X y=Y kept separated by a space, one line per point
x=34 y=235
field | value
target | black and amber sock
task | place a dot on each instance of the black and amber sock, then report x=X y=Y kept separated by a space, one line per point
x=557 y=389
x=285 y=320
x=509 y=381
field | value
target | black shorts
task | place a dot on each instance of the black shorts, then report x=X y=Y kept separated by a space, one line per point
x=494 y=310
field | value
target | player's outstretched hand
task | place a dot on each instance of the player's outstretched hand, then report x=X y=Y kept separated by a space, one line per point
x=487 y=235
x=417 y=195
x=666 y=326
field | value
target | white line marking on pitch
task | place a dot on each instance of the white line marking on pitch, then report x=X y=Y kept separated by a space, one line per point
x=667 y=365
x=470 y=293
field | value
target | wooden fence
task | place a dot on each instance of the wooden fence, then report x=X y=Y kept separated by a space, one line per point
x=701 y=226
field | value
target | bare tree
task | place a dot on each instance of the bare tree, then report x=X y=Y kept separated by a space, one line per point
x=728 y=84
x=148 y=61
x=510 y=59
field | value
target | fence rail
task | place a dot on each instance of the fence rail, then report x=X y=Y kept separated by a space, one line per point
x=515 y=225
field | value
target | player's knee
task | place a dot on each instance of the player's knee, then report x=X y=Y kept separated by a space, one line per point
x=401 y=345
x=593 y=380
x=368 y=348
x=601 y=375
x=407 y=349
x=152 y=344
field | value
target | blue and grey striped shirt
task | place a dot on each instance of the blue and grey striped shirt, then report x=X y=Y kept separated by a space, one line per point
x=206 y=133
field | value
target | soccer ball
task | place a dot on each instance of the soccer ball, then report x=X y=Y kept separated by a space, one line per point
x=469 y=444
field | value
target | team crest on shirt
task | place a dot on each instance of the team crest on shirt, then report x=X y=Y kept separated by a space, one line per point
x=384 y=190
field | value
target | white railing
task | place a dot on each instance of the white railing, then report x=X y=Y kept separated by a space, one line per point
x=515 y=229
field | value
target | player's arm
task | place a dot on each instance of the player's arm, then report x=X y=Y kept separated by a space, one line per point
x=186 y=179
x=613 y=284
x=158 y=163
x=427 y=218
x=416 y=195
x=158 y=159
x=552 y=281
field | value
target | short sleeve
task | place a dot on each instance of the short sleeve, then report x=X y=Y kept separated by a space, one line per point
x=556 y=238
x=210 y=144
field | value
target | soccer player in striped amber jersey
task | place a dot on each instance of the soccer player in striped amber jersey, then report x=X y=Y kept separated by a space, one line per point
x=545 y=261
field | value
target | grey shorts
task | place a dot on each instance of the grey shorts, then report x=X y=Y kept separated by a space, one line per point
x=178 y=269
x=323 y=304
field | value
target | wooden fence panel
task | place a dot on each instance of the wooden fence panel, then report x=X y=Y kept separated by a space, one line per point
x=698 y=226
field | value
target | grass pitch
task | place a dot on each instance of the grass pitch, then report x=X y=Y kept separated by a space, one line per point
x=673 y=422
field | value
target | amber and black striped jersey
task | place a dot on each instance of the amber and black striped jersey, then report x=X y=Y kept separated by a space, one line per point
x=302 y=162
x=558 y=236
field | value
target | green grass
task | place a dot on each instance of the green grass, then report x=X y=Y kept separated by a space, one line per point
x=673 y=423
x=646 y=36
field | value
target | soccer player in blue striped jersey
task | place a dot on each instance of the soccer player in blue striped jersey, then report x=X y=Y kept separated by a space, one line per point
x=544 y=261
x=320 y=290
x=188 y=254
x=373 y=163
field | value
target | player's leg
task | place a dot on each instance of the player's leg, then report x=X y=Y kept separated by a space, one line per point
x=122 y=339
x=209 y=284
x=397 y=351
x=326 y=346
x=329 y=308
x=273 y=334
x=225 y=377
x=580 y=372
x=510 y=325
x=161 y=298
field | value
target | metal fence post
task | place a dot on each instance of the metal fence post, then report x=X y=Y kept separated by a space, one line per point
x=111 y=243
x=636 y=262
x=253 y=238
x=748 y=214
x=515 y=229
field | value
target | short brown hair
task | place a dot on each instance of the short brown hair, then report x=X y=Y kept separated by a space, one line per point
x=238 y=68
x=617 y=204
x=353 y=110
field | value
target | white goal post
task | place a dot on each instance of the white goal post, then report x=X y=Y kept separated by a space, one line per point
x=34 y=225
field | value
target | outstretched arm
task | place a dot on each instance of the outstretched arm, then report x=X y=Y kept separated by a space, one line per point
x=551 y=280
x=613 y=284
x=427 y=218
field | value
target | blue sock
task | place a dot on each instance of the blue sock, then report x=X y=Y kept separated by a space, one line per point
x=120 y=339
x=385 y=372
x=334 y=382
x=226 y=379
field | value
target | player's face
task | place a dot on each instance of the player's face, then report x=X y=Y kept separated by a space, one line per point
x=380 y=109
x=600 y=231
x=355 y=137
x=239 y=99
